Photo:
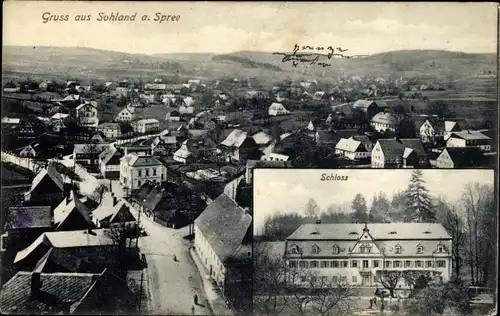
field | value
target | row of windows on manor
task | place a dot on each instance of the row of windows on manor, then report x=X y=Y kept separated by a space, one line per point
x=388 y=264
x=343 y=278
x=295 y=249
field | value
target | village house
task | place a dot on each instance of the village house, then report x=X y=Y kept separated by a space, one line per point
x=11 y=87
x=432 y=131
x=110 y=86
x=174 y=116
x=399 y=153
x=384 y=121
x=72 y=214
x=126 y=115
x=47 y=85
x=186 y=109
x=149 y=98
x=89 y=249
x=221 y=231
x=239 y=146
x=168 y=99
x=262 y=139
x=469 y=139
x=48 y=188
x=135 y=170
x=450 y=127
x=110 y=130
x=460 y=157
x=114 y=213
x=24 y=225
x=159 y=87
x=146 y=125
x=359 y=254
x=57 y=122
x=122 y=92
x=86 y=114
x=109 y=162
x=276 y=109
x=27 y=293
x=184 y=154
x=370 y=107
x=87 y=155
x=365 y=140
x=351 y=149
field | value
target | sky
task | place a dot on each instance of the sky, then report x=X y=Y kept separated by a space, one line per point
x=287 y=191
x=222 y=27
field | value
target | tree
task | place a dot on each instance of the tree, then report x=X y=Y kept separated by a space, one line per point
x=120 y=236
x=311 y=209
x=360 y=209
x=454 y=225
x=329 y=295
x=389 y=279
x=379 y=208
x=418 y=200
x=417 y=279
x=439 y=108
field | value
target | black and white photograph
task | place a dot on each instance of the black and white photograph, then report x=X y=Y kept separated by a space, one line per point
x=371 y=242
x=130 y=133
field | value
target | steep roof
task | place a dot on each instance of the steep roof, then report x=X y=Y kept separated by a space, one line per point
x=68 y=206
x=350 y=145
x=463 y=157
x=111 y=155
x=89 y=148
x=389 y=231
x=224 y=225
x=262 y=138
x=384 y=118
x=109 y=211
x=235 y=138
x=29 y=216
x=51 y=173
x=394 y=147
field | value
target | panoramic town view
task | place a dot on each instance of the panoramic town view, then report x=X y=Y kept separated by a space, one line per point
x=405 y=246
x=129 y=144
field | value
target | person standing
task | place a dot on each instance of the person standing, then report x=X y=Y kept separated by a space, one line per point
x=192 y=310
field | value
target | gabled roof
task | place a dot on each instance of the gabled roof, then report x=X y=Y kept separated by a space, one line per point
x=29 y=217
x=463 y=157
x=276 y=107
x=183 y=152
x=350 y=145
x=68 y=206
x=51 y=173
x=108 y=211
x=90 y=148
x=111 y=155
x=451 y=126
x=262 y=138
x=235 y=138
x=470 y=135
x=386 y=231
x=384 y=118
x=394 y=147
x=224 y=225
x=68 y=239
x=366 y=103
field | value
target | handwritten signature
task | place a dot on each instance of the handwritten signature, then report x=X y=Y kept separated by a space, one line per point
x=311 y=55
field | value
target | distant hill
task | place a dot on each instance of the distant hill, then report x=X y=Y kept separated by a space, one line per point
x=88 y=64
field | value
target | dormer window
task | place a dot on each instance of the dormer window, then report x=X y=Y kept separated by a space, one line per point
x=397 y=249
x=427 y=232
x=315 y=249
x=393 y=233
x=294 y=249
x=336 y=250
x=353 y=233
x=420 y=249
x=440 y=249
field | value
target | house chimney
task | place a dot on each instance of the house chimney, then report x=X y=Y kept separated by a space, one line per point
x=36 y=283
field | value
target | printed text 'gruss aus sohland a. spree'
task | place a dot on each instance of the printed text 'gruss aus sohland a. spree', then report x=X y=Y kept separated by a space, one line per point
x=110 y=17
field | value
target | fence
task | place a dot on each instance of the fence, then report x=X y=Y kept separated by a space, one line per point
x=28 y=163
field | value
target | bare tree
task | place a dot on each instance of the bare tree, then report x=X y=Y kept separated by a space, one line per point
x=389 y=279
x=332 y=297
x=454 y=224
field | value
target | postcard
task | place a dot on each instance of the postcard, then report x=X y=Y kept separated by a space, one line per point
x=133 y=133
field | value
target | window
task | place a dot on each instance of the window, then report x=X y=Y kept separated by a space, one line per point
x=418 y=264
x=334 y=264
x=344 y=264
x=440 y=249
x=441 y=263
x=147 y=172
x=397 y=264
x=315 y=249
x=138 y=183
x=139 y=172
x=154 y=172
x=336 y=250
x=354 y=279
x=407 y=264
x=294 y=249
x=354 y=263
x=324 y=264
x=420 y=249
x=314 y=264
x=376 y=263
x=365 y=263
x=428 y=264
x=303 y=264
x=388 y=264
x=293 y=263
x=397 y=249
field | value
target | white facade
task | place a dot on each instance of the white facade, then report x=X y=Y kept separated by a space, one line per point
x=208 y=257
x=86 y=115
x=277 y=109
x=147 y=125
x=125 y=115
x=136 y=170
x=469 y=139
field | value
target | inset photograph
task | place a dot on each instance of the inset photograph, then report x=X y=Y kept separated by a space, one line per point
x=366 y=242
